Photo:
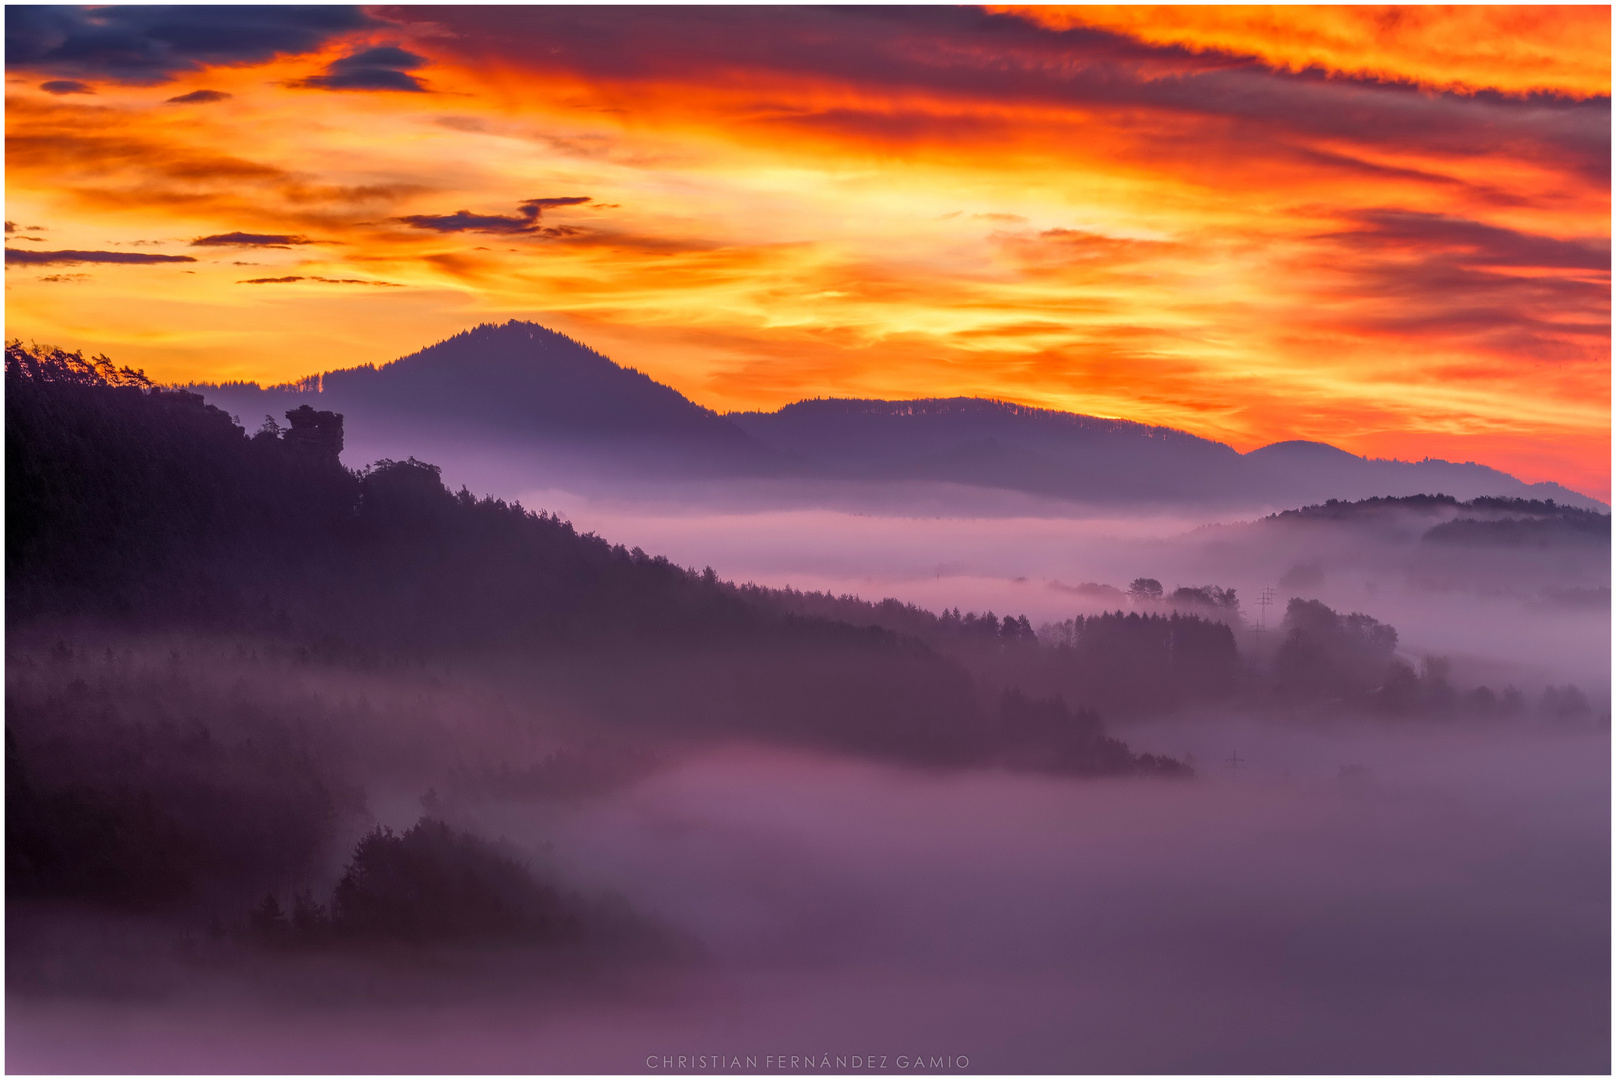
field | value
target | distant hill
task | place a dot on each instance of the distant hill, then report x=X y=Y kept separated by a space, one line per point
x=519 y=383
x=1304 y=471
x=1087 y=458
x=995 y=444
x=519 y=389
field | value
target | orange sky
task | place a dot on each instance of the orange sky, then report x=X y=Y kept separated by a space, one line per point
x=1383 y=228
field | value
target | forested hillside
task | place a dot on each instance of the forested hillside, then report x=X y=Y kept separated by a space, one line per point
x=149 y=507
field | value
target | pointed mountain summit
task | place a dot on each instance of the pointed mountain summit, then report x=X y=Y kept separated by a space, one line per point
x=524 y=404
x=521 y=377
x=515 y=383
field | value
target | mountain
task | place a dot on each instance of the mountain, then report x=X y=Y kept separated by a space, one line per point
x=996 y=444
x=516 y=383
x=518 y=401
x=1299 y=471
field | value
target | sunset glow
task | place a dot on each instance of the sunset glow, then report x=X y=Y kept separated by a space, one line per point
x=1388 y=230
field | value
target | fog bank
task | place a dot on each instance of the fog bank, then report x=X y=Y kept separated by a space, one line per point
x=1350 y=899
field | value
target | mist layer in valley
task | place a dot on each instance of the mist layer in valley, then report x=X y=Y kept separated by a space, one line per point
x=320 y=769
x=1348 y=899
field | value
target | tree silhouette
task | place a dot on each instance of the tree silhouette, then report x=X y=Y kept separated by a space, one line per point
x=1144 y=589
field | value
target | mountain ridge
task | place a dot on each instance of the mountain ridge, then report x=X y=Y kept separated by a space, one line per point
x=533 y=389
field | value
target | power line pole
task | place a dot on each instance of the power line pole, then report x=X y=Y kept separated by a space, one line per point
x=1263 y=601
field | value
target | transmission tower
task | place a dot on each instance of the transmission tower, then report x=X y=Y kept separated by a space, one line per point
x=1263 y=601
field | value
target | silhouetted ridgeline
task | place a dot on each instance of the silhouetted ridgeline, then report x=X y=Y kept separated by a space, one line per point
x=519 y=389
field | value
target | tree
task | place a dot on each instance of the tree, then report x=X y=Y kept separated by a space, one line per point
x=1144 y=589
x=1324 y=651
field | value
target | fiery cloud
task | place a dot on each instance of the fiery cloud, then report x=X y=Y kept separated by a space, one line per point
x=1537 y=49
x=1383 y=228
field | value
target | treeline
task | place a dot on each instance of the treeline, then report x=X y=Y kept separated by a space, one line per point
x=433 y=885
x=1485 y=521
x=150 y=507
x=1351 y=660
x=1120 y=663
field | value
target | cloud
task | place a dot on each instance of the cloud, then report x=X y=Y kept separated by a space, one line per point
x=11 y=226
x=382 y=67
x=546 y=204
x=64 y=140
x=66 y=86
x=1450 y=281
x=525 y=220
x=325 y=280
x=242 y=239
x=199 y=97
x=1472 y=243
x=73 y=258
x=953 y=76
x=146 y=44
x=1509 y=48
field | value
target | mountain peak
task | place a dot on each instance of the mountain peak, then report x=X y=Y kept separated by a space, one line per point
x=518 y=384
x=1301 y=450
x=525 y=377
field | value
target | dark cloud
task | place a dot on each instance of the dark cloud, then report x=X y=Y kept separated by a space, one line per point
x=546 y=204
x=66 y=86
x=1472 y=243
x=150 y=44
x=242 y=239
x=357 y=281
x=73 y=258
x=383 y=67
x=325 y=280
x=199 y=97
x=11 y=226
x=1520 y=295
x=527 y=219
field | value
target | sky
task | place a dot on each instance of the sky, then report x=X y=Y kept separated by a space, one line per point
x=1383 y=228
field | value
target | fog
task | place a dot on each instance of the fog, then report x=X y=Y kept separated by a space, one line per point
x=1350 y=899
x=314 y=770
x=979 y=550
x=945 y=545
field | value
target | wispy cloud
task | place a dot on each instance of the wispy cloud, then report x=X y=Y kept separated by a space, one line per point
x=199 y=97
x=289 y=279
x=246 y=239
x=527 y=219
x=73 y=258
